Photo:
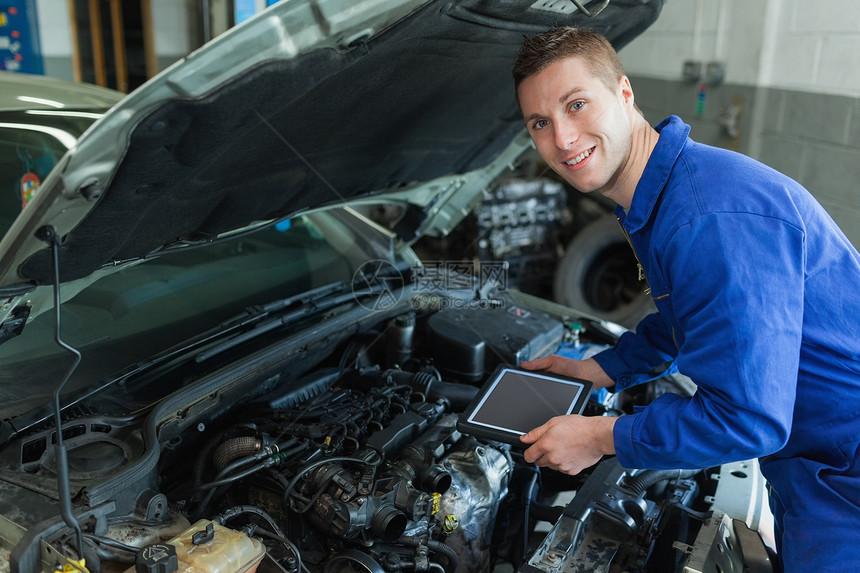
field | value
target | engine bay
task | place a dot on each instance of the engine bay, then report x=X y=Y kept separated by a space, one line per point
x=356 y=463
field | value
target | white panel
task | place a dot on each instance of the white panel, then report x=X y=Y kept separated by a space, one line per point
x=54 y=27
x=171 y=23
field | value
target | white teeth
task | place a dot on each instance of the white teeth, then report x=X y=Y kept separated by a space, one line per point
x=580 y=157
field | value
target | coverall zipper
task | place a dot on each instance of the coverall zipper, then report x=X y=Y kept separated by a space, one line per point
x=639 y=266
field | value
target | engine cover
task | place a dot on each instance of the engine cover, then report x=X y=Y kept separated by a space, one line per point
x=471 y=342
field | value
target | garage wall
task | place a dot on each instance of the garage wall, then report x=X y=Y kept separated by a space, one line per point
x=790 y=96
x=172 y=23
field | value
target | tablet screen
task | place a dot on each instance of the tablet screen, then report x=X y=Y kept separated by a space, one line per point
x=516 y=401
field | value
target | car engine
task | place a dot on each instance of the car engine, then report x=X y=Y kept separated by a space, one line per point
x=355 y=464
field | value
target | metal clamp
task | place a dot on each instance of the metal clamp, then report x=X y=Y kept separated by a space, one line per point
x=594 y=13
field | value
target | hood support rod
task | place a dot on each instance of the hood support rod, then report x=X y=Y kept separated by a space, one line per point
x=49 y=235
x=590 y=14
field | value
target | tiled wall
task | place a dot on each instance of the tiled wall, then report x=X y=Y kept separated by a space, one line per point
x=793 y=69
x=815 y=138
x=728 y=31
x=817 y=46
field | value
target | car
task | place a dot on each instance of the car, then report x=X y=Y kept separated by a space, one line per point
x=42 y=118
x=213 y=359
x=558 y=243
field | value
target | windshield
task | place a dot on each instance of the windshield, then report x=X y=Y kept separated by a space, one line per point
x=31 y=144
x=129 y=316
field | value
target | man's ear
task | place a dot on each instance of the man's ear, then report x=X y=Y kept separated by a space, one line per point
x=625 y=91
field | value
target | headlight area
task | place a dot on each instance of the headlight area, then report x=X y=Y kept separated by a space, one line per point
x=356 y=464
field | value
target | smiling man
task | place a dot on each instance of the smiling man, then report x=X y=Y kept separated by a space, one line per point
x=757 y=293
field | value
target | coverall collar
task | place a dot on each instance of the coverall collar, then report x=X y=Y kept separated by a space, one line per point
x=673 y=137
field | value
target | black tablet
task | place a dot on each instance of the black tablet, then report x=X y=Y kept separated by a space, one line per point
x=514 y=401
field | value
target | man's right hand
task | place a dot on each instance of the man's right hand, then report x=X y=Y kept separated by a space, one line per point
x=587 y=369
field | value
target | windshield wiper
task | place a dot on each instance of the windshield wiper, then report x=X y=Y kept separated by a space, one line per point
x=259 y=312
x=183 y=352
x=309 y=306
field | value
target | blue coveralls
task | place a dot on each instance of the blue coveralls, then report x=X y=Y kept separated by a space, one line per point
x=758 y=293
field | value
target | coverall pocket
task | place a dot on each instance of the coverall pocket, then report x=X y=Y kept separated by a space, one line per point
x=663 y=300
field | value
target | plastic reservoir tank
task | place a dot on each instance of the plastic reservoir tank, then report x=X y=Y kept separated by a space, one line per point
x=205 y=547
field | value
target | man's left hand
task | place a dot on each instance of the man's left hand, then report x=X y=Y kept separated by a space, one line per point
x=570 y=443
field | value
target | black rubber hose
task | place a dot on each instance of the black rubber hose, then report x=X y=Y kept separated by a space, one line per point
x=435 y=546
x=226 y=475
x=202 y=457
x=460 y=395
x=233 y=448
x=285 y=497
x=640 y=482
x=449 y=553
x=546 y=512
x=221 y=481
x=252 y=509
x=529 y=493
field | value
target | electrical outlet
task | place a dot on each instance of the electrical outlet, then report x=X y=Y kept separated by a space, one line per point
x=715 y=73
x=692 y=71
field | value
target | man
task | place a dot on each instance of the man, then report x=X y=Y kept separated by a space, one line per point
x=758 y=294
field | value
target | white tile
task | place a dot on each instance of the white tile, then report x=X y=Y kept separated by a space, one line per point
x=846 y=216
x=676 y=16
x=795 y=60
x=743 y=41
x=839 y=64
x=657 y=56
x=709 y=14
x=742 y=65
x=824 y=16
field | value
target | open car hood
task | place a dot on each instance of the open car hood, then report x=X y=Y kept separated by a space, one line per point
x=309 y=104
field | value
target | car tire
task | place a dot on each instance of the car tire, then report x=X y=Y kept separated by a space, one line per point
x=598 y=275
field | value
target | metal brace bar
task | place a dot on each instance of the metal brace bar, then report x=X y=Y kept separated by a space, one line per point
x=594 y=13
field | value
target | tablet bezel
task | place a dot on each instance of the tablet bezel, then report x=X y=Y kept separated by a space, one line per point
x=467 y=425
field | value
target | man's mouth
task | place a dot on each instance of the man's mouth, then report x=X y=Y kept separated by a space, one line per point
x=580 y=157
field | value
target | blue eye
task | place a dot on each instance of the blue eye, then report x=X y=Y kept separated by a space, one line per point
x=539 y=124
x=577 y=105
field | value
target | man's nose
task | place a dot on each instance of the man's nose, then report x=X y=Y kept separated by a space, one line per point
x=566 y=136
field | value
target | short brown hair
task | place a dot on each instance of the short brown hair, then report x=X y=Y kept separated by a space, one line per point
x=539 y=52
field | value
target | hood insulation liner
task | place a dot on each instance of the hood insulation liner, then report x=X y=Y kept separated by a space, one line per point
x=430 y=96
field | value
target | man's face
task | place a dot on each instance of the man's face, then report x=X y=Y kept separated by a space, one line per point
x=581 y=128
